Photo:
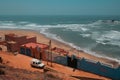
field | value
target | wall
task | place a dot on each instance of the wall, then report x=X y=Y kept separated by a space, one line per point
x=56 y=58
x=32 y=52
x=61 y=60
x=99 y=68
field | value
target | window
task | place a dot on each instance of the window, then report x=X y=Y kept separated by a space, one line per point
x=33 y=62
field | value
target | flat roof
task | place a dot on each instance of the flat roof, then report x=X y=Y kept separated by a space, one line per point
x=34 y=45
x=11 y=42
x=59 y=50
x=12 y=35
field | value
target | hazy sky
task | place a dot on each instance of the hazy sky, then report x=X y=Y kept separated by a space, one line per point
x=59 y=7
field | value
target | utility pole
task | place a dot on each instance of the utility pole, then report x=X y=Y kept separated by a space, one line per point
x=47 y=57
x=50 y=51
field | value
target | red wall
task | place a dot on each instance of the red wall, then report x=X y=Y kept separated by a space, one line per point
x=20 y=40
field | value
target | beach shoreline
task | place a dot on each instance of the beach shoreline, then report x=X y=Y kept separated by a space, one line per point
x=41 y=38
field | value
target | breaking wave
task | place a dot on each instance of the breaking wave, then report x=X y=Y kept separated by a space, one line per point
x=110 y=37
x=107 y=22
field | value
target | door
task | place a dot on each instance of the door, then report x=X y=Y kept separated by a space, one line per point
x=28 y=52
x=72 y=62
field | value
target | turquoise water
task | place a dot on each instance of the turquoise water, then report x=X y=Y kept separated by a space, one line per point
x=97 y=35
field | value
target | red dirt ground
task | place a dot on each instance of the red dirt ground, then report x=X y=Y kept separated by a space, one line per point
x=23 y=62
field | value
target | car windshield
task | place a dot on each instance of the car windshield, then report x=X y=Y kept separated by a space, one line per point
x=38 y=62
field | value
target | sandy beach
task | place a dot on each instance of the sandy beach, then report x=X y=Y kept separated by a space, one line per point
x=43 y=39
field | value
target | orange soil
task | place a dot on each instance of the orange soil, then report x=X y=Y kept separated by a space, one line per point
x=23 y=62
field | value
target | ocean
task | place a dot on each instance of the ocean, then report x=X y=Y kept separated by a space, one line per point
x=96 y=35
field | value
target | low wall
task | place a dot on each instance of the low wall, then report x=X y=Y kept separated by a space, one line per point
x=56 y=58
x=61 y=60
x=99 y=68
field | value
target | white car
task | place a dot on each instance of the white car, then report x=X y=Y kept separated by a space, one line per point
x=37 y=63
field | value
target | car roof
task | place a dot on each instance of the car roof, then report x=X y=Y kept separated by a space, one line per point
x=35 y=60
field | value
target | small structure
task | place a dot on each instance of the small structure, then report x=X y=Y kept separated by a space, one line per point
x=2 y=44
x=60 y=51
x=0 y=49
x=35 y=50
x=57 y=55
x=2 y=41
x=13 y=42
x=1 y=60
x=0 y=38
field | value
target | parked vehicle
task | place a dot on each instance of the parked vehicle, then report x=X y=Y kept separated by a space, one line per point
x=37 y=63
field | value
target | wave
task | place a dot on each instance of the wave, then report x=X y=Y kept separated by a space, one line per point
x=106 y=22
x=109 y=37
x=72 y=27
x=23 y=22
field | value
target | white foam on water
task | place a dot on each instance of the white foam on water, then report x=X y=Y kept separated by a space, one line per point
x=8 y=25
x=72 y=27
x=31 y=25
x=6 y=21
x=109 y=37
x=85 y=35
x=23 y=22
x=77 y=27
x=107 y=22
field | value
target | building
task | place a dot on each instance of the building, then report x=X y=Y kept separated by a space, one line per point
x=13 y=42
x=60 y=51
x=35 y=50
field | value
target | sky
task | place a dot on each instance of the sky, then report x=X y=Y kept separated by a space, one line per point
x=59 y=7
